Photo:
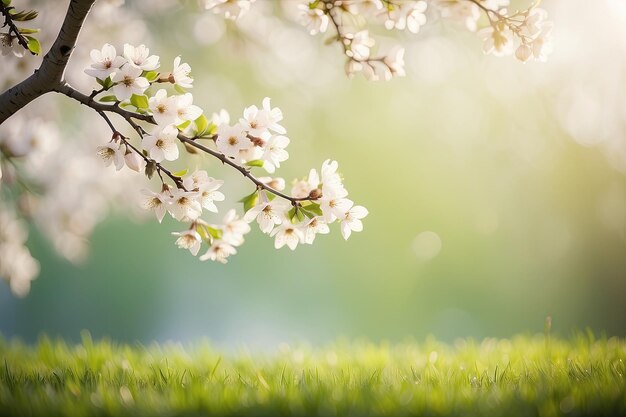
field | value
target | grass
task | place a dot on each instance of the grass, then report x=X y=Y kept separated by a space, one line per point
x=522 y=376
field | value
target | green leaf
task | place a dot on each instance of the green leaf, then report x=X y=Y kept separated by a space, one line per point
x=215 y=233
x=295 y=215
x=181 y=173
x=28 y=31
x=183 y=125
x=141 y=102
x=255 y=163
x=150 y=75
x=33 y=45
x=6 y=2
x=106 y=83
x=314 y=208
x=202 y=125
x=250 y=201
x=108 y=99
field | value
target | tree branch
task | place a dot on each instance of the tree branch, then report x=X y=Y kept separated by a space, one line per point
x=50 y=74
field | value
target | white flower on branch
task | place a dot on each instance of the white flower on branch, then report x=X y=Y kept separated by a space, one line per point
x=188 y=239
x=461 y=11
x=181 y=72
x=184 y=205
x=313 y=227
x=161 y=144
x=157 y=202
x=219 y=251
x=234 y=228
x=408 y=15
x=287 y=234
x=351 y=221
x=105 y=62
x=231 y=140
x=112 y=153
x=206 y=187
x=497 y=39
x=164 y=109
x=313 y=18
x=185 y=109
x=231 y=9
x=128 y=81
x=275 y=152
x=267 y=213
x=139 y=57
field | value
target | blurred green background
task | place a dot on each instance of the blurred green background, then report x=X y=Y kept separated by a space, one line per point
x=496 y=190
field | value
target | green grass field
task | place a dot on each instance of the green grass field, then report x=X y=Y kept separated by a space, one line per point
x=523 y=376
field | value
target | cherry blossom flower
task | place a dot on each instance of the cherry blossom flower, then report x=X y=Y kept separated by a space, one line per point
x=129 y=81
x=184 y=205
x=181 y=72
x=351 y=221
x=139 y=57
x=105 y=62
x=188 y=239
x=161 y=144
x=497 y=40
x=275 y=152
x=267 y=213
x=231 y=140
x=157 y=202
x=185 y=109
x=312 y=227
x=314 y=19
x=112 y=153
x=231 y=9
x=394 y=60
x=206 y=187
x=234 y=228
x=164 y=109
x=219 y=251
x=287 y=234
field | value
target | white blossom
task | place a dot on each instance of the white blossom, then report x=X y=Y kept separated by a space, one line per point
x=360 y=45
x=231 y=140
x=112 y=153
x=497 y=40
x=206 y=187
x=287 y=234
x=314 y=19
x=267 y=213
x=139 y=57
x=185 y=109
x=164 y=109
x=230 y=9
x=351 y=220
x=275 y=152
x=219 y=251
x=105 y=62
x=157 y=202
x=128 y=81
x=188 y=239
x=234 y=228
x=312 y=227
x=161 y=144
x=184 y=205
x=181 y=72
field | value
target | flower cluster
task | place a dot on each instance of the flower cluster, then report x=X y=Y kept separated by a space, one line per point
x=256 y=140
x=230 y=9
x=318 y=15
x=526 y=33
x=325 y=202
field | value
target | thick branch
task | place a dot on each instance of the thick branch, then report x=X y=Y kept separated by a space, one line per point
x=50 y=74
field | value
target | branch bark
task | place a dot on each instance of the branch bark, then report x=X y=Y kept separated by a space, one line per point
x=49 y=76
